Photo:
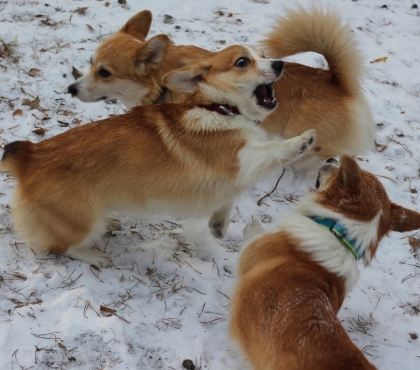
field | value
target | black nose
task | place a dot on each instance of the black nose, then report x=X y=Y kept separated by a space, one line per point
x=332 y=160
x=72 y=89
x=278 y=66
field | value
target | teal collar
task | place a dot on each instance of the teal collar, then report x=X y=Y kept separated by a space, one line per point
x=340 y=232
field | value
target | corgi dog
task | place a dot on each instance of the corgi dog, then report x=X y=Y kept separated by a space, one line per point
x=187 y=160
x=331 y=101
x=130 y=69
x=293 y=280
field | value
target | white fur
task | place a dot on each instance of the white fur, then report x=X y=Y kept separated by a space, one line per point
x=365 y=233
x=89 y=256
x=258 y=157
x=323 y=246
x=319 y=242
x=90 y=90
x=365 y=129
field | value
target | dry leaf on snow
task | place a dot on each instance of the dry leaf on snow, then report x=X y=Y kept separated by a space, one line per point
x=39 y=131
x=34 y=72
x=414 y=243
x=378 y=60
x=76 y=73
x=33 y=104
x=81 y=10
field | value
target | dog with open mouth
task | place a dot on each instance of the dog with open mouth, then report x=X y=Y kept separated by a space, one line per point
x=293 y=280
x=186 y=160
x=130 y=69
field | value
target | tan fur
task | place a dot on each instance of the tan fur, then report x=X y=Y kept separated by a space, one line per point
x=284 y=308
x=179 y=159
x=330 y=101
x=136 y=66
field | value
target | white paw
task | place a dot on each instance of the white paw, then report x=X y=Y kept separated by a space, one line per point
x=113 y=223
x=307 y=141
x=252 y=229
x=89 y=256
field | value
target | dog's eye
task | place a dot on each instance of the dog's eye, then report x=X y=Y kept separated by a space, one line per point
x=104 y=73
x=242 y=62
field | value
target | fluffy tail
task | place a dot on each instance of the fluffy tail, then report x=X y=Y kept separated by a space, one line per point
x=319 y=31
x=16 y=157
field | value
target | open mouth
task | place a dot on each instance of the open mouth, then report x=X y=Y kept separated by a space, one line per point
x=264 y=94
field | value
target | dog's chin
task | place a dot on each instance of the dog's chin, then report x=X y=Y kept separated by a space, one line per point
x=265 y=96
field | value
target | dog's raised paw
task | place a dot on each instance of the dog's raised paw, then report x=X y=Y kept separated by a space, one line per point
x=308 y=140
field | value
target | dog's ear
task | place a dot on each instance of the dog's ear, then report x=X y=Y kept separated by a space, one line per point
x=349 y=174
x=139 y=25
x=404 y=219
x=186 y=79
x=150 y=54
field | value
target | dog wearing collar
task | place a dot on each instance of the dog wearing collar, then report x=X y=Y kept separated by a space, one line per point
x=130 y=69
x=292 y=281
x=186 y=160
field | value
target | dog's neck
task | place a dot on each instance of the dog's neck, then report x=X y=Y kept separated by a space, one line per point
x=340 y=232
x=223 y=109
x=323 y=247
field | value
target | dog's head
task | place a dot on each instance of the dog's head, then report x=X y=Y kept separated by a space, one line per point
x=124 y=66
x=237 y=76
x=357 y=200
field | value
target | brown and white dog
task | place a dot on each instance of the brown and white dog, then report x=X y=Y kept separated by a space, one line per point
x=130 y=69
x=187 y=160
x=293 y=280
x=331 y=101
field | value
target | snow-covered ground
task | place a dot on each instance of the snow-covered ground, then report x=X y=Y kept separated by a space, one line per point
x=171 y=282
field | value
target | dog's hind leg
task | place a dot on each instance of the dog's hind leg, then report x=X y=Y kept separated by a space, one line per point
x=113 y=223
x=89 y=256
x=220 y=220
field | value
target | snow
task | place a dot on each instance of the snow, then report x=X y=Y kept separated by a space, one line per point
x=171 y=280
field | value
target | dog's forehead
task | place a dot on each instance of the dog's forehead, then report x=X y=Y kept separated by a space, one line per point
x=225 y=59
x=255 y=53
x=114 y=48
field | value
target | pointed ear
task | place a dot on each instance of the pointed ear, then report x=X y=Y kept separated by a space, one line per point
x=350 y=174
x=139 y=25
x=152 y=52
x=186 y=79
x=404 y=219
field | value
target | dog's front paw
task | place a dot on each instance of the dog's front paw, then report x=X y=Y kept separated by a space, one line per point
x=307 y=141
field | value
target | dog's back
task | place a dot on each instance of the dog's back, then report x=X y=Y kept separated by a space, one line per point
x=330 y=100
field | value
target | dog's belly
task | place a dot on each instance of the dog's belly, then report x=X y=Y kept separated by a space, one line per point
x=199 y=203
